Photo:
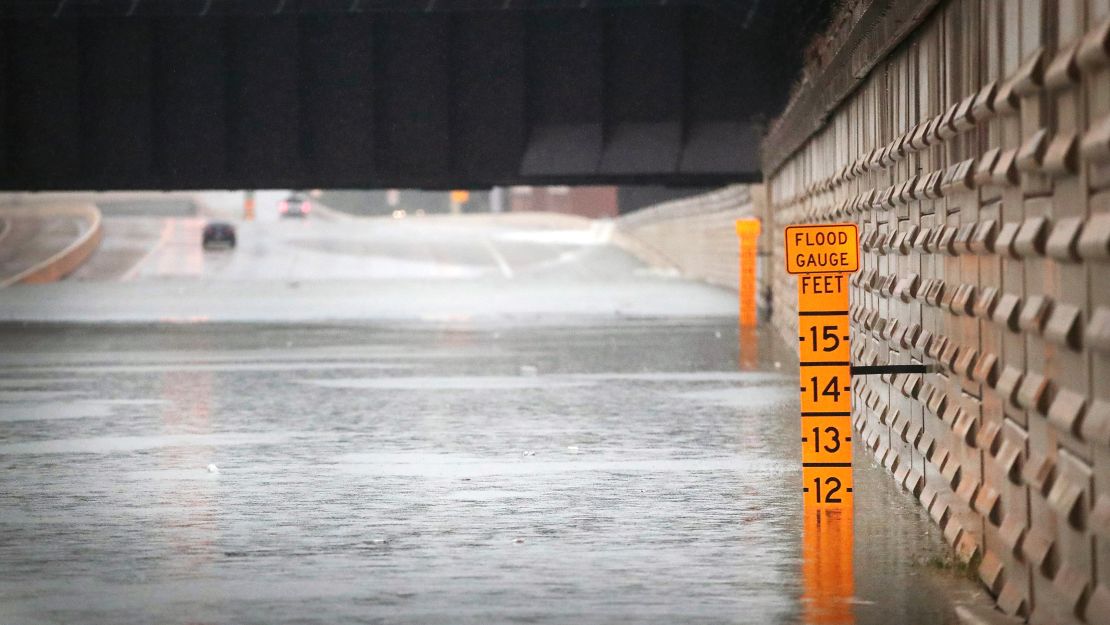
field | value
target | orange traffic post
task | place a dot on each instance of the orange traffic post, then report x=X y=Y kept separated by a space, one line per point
x=458 y=197
x=747 y=231
x=248 y=206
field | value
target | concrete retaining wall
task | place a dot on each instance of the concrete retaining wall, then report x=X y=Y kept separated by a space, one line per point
x=970 y=139
x=68 y=259
x=695 y=235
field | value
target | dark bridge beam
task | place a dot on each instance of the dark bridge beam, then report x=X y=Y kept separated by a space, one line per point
x=309 y=93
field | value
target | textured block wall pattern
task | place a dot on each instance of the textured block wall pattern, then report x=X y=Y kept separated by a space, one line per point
x=970 y=140
x=695 y=235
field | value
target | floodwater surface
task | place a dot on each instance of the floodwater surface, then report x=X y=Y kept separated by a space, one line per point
x=618 y=472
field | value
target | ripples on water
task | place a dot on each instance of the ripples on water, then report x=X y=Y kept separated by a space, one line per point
x=625 y=473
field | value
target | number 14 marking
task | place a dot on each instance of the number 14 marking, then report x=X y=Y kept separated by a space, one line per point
x=832 y=388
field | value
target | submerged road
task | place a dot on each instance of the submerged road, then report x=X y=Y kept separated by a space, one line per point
x=458 y=420
x=614 y=473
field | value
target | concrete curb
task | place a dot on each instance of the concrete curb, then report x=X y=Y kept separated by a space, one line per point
x=71 y=257
x=984 y=615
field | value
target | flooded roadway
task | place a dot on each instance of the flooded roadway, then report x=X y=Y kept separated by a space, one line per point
x=619 y=472
x=444 y=420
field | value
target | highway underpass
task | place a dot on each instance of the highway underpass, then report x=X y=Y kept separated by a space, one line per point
x=518 y=417
x=544 y=429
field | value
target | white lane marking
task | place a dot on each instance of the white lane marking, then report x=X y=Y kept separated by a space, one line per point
x=502 y=264
x=5 y=228
x=598 y=233
x=163 y=238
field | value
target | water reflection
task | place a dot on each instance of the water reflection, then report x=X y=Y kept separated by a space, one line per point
x=429 y=494
x=827 y=578
x=749 y=348
x=190 y=533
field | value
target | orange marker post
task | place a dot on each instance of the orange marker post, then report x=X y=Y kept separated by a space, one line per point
x=823 y=256
x=747 y=231
x=248 y=206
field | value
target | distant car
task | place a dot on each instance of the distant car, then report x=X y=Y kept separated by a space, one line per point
x=218 y=232
x=296 y=205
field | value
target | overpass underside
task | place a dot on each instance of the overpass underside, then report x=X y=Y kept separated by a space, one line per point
x=255 y=94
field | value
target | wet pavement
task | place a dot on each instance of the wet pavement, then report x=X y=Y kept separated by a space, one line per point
x=592 y=472
x=516 y=266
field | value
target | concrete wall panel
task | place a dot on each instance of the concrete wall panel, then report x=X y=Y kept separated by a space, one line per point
x=975 y=156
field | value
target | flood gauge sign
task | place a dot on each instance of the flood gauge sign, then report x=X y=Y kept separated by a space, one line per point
x=824 y=248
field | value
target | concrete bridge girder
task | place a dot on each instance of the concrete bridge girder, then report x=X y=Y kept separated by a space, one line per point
x=128 y=97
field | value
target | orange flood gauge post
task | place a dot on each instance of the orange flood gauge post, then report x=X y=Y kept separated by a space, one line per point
x=747 y=231
x=823 y=256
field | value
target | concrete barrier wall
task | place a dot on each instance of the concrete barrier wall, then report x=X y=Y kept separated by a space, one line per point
x=695 y=235
x=68 y=259
x=970 y=140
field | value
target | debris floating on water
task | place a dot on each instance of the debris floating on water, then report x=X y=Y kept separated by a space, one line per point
x=212 y=468
x=529 y=452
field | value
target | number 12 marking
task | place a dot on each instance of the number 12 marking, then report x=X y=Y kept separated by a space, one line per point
x=829 y=481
